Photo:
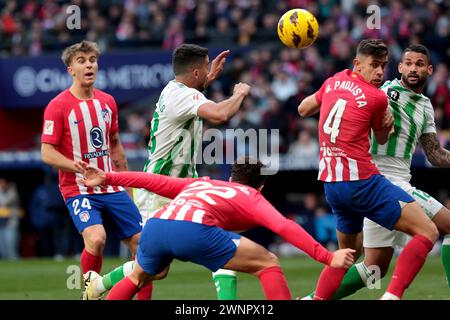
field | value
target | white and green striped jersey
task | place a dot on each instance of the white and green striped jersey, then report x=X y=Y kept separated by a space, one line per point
x=413 y=116
x=176 y=131
x=175 y=136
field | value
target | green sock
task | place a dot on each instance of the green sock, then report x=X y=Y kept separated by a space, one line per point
x=445 y=256
x=226 y=284
x=355 y=279
x=110 y=279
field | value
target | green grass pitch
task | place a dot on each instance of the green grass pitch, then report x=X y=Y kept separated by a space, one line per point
x=44 y=279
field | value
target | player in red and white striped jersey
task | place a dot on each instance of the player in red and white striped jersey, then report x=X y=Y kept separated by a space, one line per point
x=351 y=105
x=81 y=123
x=81 y=129
x=196 y=226
x=344 y=146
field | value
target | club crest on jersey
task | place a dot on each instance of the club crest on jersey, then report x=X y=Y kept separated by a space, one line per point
x=106 y=116
x=96 y=137
x=393 y=94
x=84 y=216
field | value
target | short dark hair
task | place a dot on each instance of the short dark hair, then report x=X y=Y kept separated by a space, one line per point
x=417 y=48
x=83 y=46
x=186 y=56
x=372 y=47
x=247 y=170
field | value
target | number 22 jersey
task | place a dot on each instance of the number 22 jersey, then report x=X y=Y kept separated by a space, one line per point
x=349 y=108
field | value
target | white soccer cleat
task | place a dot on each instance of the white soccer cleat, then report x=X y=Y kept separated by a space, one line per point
x=306 y=298
x=91 y=278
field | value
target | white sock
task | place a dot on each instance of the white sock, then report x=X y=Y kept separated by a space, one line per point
x=100 y=287
x=224 y=272
x=389 y=296
x=128 y=268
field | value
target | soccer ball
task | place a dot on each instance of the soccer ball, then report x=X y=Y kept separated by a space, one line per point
x=298 y=28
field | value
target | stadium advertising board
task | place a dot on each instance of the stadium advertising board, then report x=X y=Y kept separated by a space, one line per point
x=34 y=81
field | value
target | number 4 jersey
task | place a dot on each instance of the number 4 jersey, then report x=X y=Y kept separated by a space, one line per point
x=349 y=109
x=80 y=130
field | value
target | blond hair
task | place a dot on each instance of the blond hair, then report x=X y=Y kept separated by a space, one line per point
x=83 y=46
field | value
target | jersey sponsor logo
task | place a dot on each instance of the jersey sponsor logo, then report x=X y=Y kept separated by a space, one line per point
x=95 y=154
x=48 y=127
x=332 y=151
x=393 y=94
x=96 y=137
x=84 y=216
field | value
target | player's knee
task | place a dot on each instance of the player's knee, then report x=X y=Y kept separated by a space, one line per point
x=271 y=260
x=443 y=225
x=431 y=232
x=140 y=279
x=97 y=242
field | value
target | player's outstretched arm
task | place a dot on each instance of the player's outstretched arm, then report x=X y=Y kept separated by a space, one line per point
x=218 y=113
x=267 y=216
x=168 y=187
x=309 y=106
x=56 y=159
x=217 y=67
x=296 y=235
x=343 y=258
x=438 y=156
x=92 y=177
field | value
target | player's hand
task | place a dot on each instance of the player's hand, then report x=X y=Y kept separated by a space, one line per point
x=92 y=177
x=343 y=258
x=387 y=123
x=241 y=89
x=217 y=66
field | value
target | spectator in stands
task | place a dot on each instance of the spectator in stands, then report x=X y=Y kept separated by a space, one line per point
x=303 y=154
x=9 y=220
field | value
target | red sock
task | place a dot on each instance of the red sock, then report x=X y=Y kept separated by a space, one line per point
x=274 y=284
x=125 y=289
x=329 y=281
x=409 y=263
x=90 y=262
x=146 y=292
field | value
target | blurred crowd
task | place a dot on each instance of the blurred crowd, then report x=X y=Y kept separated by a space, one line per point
x=280 y=77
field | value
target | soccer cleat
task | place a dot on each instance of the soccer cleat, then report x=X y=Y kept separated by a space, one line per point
x=91 y=292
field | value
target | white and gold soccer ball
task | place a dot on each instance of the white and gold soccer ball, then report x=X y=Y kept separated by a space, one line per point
x=298 y=28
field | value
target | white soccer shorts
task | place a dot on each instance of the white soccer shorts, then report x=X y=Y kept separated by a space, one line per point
x=148 y=202
x=376 y=236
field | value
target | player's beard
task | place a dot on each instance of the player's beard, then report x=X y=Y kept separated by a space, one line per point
x=418 y=84
x=202 y=86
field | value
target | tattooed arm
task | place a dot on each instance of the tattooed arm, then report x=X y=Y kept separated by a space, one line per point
x=438 y=156
x=117 y=154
